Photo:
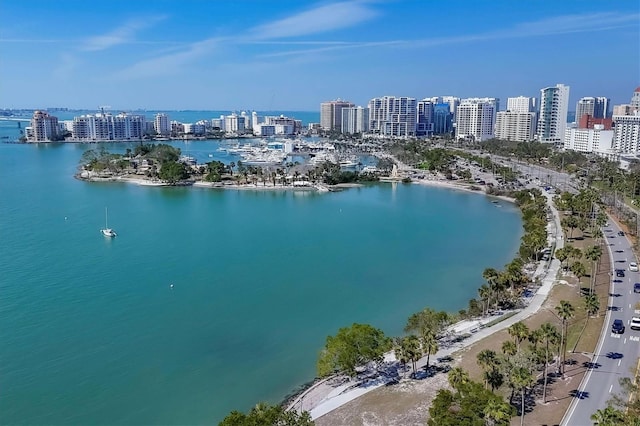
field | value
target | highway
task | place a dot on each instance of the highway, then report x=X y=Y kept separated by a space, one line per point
x=616 y=355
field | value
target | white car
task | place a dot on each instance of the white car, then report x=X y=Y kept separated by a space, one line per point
x=635 y=323
x=633 y=267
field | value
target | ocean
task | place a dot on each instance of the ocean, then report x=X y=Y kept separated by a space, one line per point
x=93 y=332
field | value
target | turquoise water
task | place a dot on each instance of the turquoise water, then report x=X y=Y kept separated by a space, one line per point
x=92 y=333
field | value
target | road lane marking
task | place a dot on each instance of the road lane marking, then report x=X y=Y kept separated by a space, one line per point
x=635 y=338
x=619 y=361
x=625 y=341
x=611 y=388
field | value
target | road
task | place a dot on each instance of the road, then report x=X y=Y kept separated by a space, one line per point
x=616 y=355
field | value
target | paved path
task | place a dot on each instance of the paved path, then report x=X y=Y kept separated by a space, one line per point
x=324 y=396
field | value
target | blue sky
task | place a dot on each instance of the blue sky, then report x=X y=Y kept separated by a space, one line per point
x=292 y=55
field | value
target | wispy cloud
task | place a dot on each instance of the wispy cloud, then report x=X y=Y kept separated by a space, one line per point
x=321 y=19
x=549 y=26
x=169 y=63
x=122 y=35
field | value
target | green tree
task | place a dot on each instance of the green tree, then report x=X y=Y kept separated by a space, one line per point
x=267 y=415
x=593 y=254
x=565 y=311
x=497 y=412
x=579 y=270
x=173 y=172
x=521 y=379
x=351 y=347
x=509 y=348
x=519 y=331
x=429 y=345
x=458 y=378
x=607 y=417
x=550 y=336
x=487 y=360
x=409 y=350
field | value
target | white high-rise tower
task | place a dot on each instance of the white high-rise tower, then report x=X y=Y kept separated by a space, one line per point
x=552 y=122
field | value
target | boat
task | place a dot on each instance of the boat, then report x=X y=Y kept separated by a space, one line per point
x=107 y=232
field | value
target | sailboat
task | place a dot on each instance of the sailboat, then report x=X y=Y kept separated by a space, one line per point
x=107 y=232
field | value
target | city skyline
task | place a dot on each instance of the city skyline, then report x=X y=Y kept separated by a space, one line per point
x=294 y=55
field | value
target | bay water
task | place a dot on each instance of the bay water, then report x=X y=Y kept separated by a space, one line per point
x=92 y=331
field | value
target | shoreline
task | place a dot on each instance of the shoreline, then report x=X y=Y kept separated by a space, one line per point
x=331 y=398
x=269 y=186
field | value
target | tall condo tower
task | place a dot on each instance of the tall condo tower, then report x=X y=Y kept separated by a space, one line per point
x=476 y=118
x=393 y=116
x=331 y=114
x=552 y=122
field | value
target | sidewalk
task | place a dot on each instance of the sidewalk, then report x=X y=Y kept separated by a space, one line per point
x=324 y=397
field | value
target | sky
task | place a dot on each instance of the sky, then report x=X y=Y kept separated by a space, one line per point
x=294 y=54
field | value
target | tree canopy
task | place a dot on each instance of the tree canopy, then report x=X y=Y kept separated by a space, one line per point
x=352 y=347
x=267 y=415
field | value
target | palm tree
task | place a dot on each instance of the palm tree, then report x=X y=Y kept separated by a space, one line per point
x=496 y=412
x=579 y=271
x=521 y=379
x=570 y=222
x=429 y=345
x=458 y=378
x=485 y=294
x=487 y=360
x=550 y=335
x=561 y=254
x=519 y=331
x=411 y=349
x=509 y=348
x=565 y=311
x=592 y=304
x=593 y=253
x=607 y=417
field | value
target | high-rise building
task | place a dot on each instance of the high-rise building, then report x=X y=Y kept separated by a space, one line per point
x=476 y=118
x=635 y=99
x=44 y=127
x=552 y=121
x=627 y=133
x=162 y=124
x=442 y=119
x=393 y=116
x=453 y=104
x=624 y=109
x=234 y=123
x=595 y=107
x=106 y=127
x=521 y=104
x=331 y=114
x=424 y=117
x=355 y=120
x=515 y=126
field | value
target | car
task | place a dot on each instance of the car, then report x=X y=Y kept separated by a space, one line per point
x=621 y=233
x=619 y=272
x=635 y=323
x=633 y=267
x=636 y=288
x=617 y=327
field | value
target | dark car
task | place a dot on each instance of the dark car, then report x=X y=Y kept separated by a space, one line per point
x=621 y=233
x=636 y=288
x=617 y=327
x=619 y=272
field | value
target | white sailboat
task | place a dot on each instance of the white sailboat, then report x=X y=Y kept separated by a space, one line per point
x=107 y=232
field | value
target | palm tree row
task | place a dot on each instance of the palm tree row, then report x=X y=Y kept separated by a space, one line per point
x=517 y=364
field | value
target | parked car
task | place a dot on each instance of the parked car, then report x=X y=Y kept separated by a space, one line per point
x=619 y=272
x=636 y=288
x=621 y=233
x=635 y=323
x=633 y=267
x=617 y=327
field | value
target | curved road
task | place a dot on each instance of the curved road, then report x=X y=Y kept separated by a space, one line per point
x=616 y=355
